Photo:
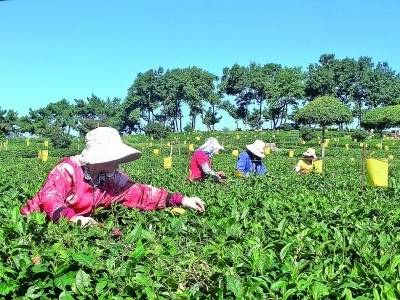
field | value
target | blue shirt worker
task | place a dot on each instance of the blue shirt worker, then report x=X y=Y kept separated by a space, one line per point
x=250 y=161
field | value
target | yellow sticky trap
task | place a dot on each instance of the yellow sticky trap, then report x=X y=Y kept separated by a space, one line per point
x=191 y=147
x=156 y=151
x=168 y=162
x=46 y=143
x=317 y=165
x=377 y=172
x=267 y=151
x=235 y=152
x=291 y=153
x=386 y=147
x=347 y=146
x=178 y=211
x=45 y=155
x=391 y=157
x=197 y=138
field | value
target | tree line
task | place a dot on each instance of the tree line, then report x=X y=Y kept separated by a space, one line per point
x=253 y=94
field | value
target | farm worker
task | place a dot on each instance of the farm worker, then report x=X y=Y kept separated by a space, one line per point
x=305 y=165
x=250 y=160
x=200 y=163
x=79 y=184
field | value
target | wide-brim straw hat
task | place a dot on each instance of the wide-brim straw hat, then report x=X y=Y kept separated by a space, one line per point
x=104 y=144
x=257 y=148
x=310 y=153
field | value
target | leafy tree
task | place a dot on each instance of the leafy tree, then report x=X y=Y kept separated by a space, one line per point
x=324 y=111
x=254 y=120
x=95 y=112
x=8 y=121
x=145 y=94
x=382 y=118
x=156 y=130
x=198 y=87
x=288 y=89
x=58 y=115
x=233 y=111
x=211 y=118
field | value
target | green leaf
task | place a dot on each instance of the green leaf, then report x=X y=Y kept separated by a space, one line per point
x=319 y=290
x=234 y=285
x=82 y=281
x=284 y=250
x=85 y=260
x=139 y=251
x=65 y=280
x=101 y=285
x=65 y=296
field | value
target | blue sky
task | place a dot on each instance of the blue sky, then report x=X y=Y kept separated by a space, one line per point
x=51 y=50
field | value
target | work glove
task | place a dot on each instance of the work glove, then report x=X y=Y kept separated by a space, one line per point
x=194 y=203
x=83 y=221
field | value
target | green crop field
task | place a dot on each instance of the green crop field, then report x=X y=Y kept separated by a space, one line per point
x=282 y=236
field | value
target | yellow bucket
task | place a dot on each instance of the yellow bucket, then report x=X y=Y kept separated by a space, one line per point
x=267 y=151
x=317 y=165
x=46 y=143
x=156 y=151
x=291 y=153
x=235 y=152
x=44 y=155
x=168 y=162
x=377 y=172
x=191 y=147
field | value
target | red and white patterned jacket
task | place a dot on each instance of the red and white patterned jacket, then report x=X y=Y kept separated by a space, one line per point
x=66 y=193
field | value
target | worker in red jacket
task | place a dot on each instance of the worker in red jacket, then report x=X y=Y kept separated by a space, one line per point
x=79 y=184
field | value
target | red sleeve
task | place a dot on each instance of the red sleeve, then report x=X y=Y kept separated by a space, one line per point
x=146 y=197
x=51 y=197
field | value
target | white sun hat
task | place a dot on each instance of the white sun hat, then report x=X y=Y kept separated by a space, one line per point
x=257 y=148
x=104 y=144
x=310 y=153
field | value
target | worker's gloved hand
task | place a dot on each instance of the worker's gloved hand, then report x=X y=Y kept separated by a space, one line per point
x=83 y=221
x=221 y=175
x=193 y=202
